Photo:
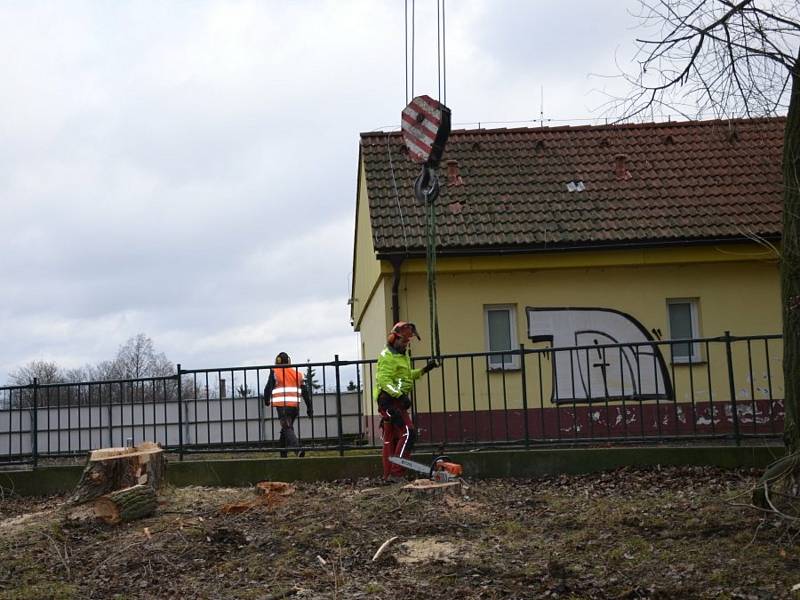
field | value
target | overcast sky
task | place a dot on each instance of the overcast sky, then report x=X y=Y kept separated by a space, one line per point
x=187 y=170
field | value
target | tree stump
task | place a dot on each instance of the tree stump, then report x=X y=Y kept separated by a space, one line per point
x=111 y=469
x=126 y=505
x=431 y=488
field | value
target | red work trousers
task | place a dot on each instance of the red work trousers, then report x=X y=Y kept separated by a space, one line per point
x=398 y=435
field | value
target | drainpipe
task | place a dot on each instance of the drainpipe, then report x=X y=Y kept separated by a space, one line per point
x=396 y=263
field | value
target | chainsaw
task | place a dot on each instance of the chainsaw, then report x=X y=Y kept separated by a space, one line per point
x=441 y=470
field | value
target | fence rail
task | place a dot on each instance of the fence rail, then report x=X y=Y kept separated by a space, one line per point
x=722 y=387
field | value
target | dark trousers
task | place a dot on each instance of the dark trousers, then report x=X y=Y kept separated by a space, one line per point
x=286 y=416
x=397 y=430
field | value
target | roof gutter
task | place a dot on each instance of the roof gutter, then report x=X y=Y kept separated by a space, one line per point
x=516 y=250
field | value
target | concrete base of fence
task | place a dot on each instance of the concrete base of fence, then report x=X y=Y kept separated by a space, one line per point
x=41 y=482
x=479 y=465
x=540 y=463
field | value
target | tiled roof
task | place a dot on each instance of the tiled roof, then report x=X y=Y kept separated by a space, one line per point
x=680 y=182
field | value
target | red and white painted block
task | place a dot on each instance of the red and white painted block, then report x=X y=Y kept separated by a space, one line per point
x=425 y=124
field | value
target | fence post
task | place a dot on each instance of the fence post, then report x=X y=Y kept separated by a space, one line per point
x=524 y=395
x=110 y=413
x=180 y=415
x=732 y=384
x=339 y=405
x=35 y=423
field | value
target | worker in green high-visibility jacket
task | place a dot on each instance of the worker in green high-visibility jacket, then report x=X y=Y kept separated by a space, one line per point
x=394 y=380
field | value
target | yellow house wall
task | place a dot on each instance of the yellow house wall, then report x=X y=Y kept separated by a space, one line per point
x=367 y=269
x=374 y=325
x=736 y=295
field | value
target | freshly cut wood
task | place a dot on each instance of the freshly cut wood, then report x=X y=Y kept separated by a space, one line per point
x=126 y=505
x=265 y=488
x=268 y=493
x=110 y=469
x=426 y=486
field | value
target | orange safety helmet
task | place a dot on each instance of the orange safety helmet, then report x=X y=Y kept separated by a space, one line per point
x=404 y=330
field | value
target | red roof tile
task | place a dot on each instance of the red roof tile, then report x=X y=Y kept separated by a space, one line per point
x=689 y=181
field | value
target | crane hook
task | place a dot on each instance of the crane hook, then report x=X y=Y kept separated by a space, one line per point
x=426 y=186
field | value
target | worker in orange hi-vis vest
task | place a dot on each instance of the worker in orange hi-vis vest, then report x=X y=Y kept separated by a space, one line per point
x=284 y=389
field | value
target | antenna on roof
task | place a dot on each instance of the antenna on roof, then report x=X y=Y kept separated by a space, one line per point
x=541 y=106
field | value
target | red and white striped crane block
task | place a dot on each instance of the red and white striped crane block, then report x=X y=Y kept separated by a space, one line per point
x=425 y=123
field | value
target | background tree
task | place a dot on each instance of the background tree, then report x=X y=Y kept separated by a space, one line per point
x=138 y=358
x=244 y=391
x=42 y=370
x=736 y=58
x=99 y=372
x=311 y=379
x=45 y=372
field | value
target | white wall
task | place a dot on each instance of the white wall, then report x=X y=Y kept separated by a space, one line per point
x=72 y=429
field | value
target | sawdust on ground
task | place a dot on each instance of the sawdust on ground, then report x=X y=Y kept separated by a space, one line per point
x=427 y=550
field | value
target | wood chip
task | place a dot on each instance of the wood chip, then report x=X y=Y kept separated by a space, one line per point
x=383 y=547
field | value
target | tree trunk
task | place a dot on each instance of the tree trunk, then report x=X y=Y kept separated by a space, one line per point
x=126 y=505
x=790 y=265
x=789 y=465
x=111 y=469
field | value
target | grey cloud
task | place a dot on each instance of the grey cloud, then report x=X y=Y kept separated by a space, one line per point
x=174 y=168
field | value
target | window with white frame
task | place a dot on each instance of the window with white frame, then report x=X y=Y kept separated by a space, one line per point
x=684 y=324
x=500 y=322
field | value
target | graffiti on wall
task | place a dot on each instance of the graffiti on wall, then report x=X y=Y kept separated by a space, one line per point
x=634 y=371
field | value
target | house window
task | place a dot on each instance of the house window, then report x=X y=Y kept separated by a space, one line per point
x=501 y=334
x=684 y=324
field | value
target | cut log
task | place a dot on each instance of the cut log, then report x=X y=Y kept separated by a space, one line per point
x=126 y=505
x=110 y=469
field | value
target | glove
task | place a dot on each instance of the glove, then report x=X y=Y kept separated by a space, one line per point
x=309 y=411
x=406 y=401
x=432 y=364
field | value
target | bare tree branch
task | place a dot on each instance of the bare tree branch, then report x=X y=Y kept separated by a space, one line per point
x=733 y=58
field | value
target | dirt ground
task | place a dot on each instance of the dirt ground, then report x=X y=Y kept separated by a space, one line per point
x=628 y=534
